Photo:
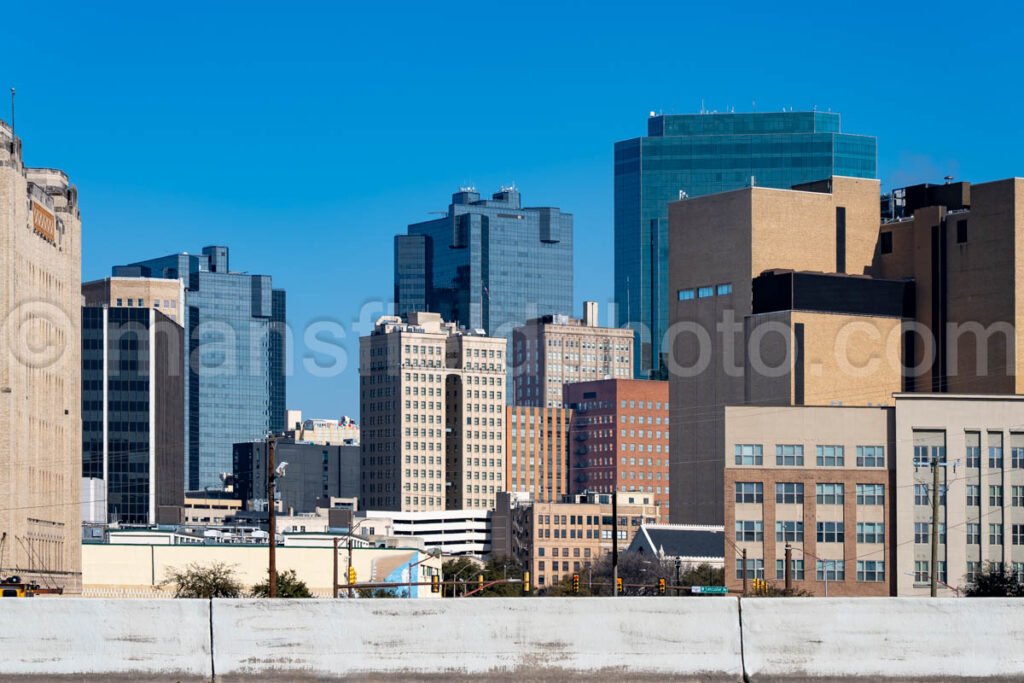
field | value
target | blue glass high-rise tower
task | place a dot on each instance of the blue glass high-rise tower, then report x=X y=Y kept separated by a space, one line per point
x=489 y=264
x=235 y=350
x=700 y=154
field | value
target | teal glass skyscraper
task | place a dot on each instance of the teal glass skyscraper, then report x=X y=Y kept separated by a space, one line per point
x=700 y=154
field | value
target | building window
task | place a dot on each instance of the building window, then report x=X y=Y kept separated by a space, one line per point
x=973 y=449
x=1017 y=496
x=789 y=531
x=870 y=532
x=791 y=493
x=961 y=231
x=995 y=496
x=972 y=570
x=830 y=532
x=921 y=533
x=722 y=290
x=924 y=456
x=921 y=572
x=886 y=242
x=830 y=456
x=787 y=455
x=1017 y=534
x=973 y=534
x=870 y=494
x=870 y=570
x=796 y=567
x=705 y=292
x=749 y=454
x=870 y=456
x=750 y=530
x=1017 y=457
x=995 y=534
x=749 y=492
x=829 y=494
x=972 y=491
x=685 y=294
x=755 y=568
x=831 y=570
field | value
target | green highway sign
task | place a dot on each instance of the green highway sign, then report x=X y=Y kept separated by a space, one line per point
x=709 y=590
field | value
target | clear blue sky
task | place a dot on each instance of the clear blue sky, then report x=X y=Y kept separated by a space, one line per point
x=305 y=135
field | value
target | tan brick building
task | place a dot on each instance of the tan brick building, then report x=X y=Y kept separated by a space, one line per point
x=717 y=245
x=819 y=478
x=555 y=350
x=537 y=448
x=432 y=400
x=555 y=540
x=40 y=372
x=620 y=438
x=963 y=245
x=162 y=294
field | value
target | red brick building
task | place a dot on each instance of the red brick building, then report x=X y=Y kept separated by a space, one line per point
x=618 y=438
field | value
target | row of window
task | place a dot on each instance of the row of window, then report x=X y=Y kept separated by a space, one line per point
x=792 y=455
x=973 y=495
x=704 y=292
x=792 y=493
x=752 y=531
x=869 y=571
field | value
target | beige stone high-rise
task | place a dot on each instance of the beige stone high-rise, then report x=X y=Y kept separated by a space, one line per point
x=40 y=372
x=554 y=350
x=432 y=400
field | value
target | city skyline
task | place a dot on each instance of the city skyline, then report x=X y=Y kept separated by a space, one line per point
x=258 y=124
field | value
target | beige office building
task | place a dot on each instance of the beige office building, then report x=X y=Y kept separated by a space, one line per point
x=554 y=350
x=851 y=490
x=162 y=294
x=981 y=440
x=432 y=400
x=40 y=372
x=537 y=451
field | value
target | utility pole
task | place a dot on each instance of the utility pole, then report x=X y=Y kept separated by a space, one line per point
x=271 y=518
x=334 y=583
x=789 y=569
x=744 y=561
x=615 y=543
x=935 y=523
x=351 y=590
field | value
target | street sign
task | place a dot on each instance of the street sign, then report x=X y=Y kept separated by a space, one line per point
x=709 y=590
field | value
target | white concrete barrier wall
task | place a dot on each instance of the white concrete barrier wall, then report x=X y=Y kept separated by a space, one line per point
x=105 y=639
x=883 y=639
x=510 y=638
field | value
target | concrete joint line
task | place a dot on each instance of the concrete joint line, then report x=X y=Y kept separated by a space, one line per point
x=743 y=659
x=213 y=668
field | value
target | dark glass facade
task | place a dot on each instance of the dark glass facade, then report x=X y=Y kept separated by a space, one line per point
x=314 y=471
x=133 y=410
x=489 y=264
x=701 y=154
x=235 y=344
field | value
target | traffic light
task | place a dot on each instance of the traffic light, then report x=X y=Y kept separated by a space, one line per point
x=526 y=583
x=618 y=584
x=351 y=576
x=661 y=586
x=435 y=583
x=576 y=584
